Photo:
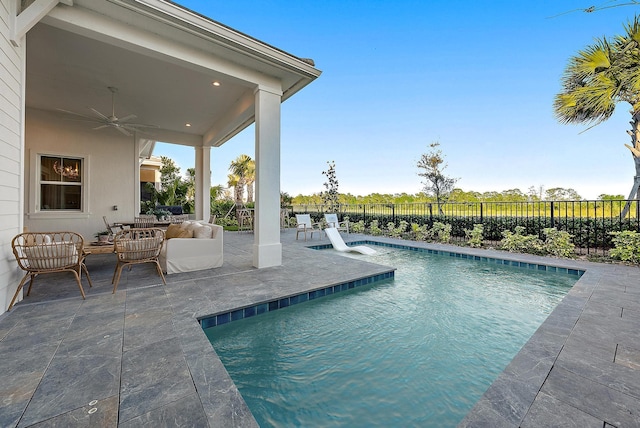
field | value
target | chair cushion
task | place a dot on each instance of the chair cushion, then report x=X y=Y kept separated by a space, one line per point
x=51 y=256
x=138 y=249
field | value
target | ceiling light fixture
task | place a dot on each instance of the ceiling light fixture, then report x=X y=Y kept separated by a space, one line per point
x=215 y=83
x=187 y=125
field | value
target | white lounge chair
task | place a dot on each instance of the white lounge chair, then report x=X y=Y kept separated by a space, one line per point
x=305 y=224
x=339 y=245
x=332 y=221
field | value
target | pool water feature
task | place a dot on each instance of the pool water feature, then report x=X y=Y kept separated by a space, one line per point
x=418 y=350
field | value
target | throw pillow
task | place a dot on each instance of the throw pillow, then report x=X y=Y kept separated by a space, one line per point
x=202 y=232
x=178 y=231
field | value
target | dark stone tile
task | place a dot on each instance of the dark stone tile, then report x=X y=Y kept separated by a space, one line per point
x=153 y=376
x=16 y=393
x=628 y=357
x=547 y=411
x=221 y=399
x=72 y=380
x=186 y=412
x=149 y=326
x=510 y=397
x=484 y=415
x=615 y=407
x=101 y=413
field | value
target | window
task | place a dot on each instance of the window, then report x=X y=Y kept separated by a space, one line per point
x=61 y=183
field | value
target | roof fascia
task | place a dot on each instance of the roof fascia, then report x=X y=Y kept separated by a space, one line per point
x=171 y=13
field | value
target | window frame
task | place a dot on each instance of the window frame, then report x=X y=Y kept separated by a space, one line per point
x=35 y=210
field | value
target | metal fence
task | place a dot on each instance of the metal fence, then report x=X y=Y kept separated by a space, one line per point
x=589 y=222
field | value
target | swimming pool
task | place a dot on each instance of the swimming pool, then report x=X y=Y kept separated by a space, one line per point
x=417 y=350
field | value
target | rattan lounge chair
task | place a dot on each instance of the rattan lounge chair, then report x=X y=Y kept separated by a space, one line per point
x=136 y=246
x=49 y=252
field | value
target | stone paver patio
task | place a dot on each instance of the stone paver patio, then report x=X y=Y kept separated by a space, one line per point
x=140 y=357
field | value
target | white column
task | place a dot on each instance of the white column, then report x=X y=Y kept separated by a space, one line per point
x=267 y=249
x=203 y=183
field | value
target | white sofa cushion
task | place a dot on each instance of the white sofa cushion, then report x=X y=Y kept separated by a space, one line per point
x=202 y=232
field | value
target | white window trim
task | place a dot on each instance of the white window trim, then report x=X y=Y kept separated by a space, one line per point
x=34 y=187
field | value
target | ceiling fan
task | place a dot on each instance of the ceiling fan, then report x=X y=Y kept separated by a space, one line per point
x=121 y=124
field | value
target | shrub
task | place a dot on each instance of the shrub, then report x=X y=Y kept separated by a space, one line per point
x=374 y=229
x=357 y=227
x=516 y=242
x=441 y=232
x=474 y=236
x=397 y=232
x=420 y=233
x=558 y=243
x=627 y=246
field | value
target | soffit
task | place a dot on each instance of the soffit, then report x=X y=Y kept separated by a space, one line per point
x=70 y=64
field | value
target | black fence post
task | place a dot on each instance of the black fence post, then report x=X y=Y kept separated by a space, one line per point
x=553 y=219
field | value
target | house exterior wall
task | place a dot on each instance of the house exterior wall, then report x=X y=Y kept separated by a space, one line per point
x=12 y=67
x=110 y=166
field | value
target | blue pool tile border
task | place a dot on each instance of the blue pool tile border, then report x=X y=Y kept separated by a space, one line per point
x=534 y=266
x=273 y=305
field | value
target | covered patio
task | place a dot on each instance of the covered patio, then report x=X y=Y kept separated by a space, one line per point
x=140 y=357
x=96 y=84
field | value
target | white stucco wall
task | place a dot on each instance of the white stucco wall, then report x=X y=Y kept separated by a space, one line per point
x=12 y=65
x=111 y=166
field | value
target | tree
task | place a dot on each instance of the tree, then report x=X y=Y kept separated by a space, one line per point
x=437 y=184
x=597 y=79
x=242 y=169
x=562 y=194
x=169 y=171
x=331 y=196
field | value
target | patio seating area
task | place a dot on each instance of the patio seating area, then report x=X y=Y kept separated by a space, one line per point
x=139 y=357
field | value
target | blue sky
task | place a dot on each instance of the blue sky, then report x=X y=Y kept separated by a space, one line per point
x=479 y=77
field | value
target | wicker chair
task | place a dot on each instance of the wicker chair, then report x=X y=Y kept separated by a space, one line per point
x=136 y=246
x=49 y=252
x=245 y=219
x=144 y=221
x=112 y=228
x=180 y=218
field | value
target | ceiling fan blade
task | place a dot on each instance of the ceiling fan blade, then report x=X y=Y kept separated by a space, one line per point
x=124 y=131
x=139 y=125
x=77 y=114
x=100 y=115
x=128 y=117
x=100 y=127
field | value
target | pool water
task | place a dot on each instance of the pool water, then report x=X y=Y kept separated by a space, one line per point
x=419 y=350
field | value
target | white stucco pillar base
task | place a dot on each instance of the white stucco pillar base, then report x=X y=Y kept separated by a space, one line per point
x=267 y=255
x=267 y=250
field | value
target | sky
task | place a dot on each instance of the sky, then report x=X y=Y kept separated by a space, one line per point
x=478 y=77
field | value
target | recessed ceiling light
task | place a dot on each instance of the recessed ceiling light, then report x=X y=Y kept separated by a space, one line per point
x=187 y=125
x=215 y=83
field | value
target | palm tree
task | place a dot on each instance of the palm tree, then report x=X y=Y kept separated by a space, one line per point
x=241 y=168
x=596 y=80
x=250 y=179
x=238 y=190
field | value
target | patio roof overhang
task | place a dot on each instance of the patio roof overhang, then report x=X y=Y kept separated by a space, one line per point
x=163 y=59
